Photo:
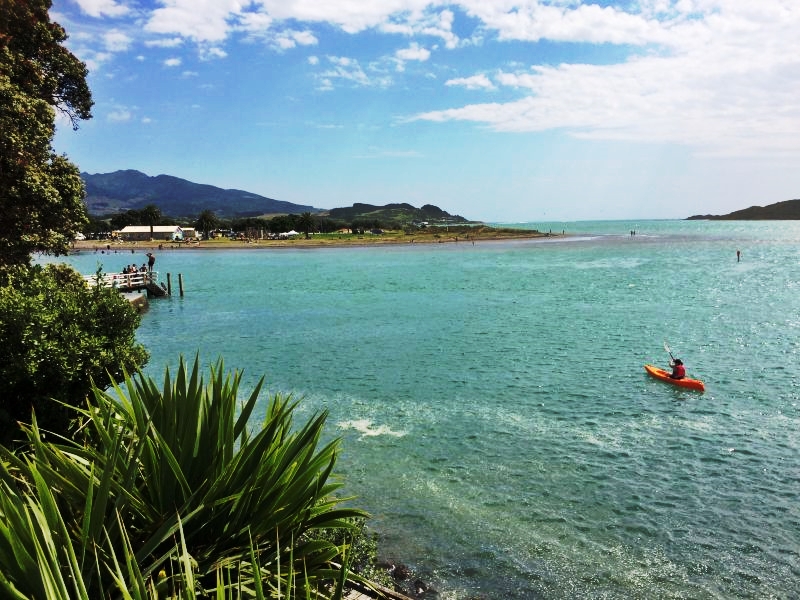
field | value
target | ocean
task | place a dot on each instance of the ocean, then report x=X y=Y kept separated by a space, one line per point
x=495 y=417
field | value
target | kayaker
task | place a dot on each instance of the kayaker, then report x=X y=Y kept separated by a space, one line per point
x=678 y=370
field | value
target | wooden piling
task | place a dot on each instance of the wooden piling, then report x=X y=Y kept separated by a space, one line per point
x=180 y=284
x=169 y=283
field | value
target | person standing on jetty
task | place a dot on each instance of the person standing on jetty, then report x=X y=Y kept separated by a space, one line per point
x=151 y=260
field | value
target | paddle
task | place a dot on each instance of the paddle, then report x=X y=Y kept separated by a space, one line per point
x=666 y=347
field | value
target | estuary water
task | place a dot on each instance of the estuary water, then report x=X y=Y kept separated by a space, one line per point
x=495 y=417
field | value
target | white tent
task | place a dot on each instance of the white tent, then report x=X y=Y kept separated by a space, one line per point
x=287 y=234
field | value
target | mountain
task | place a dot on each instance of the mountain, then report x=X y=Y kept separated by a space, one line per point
x=111 y=193
x=395 y=213
x=788 y=210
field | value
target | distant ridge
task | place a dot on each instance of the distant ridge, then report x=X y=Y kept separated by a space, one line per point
x=395 y=213
x=788 y=210
x=120 y=191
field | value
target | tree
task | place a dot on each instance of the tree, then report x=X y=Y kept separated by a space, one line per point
x=206 y=222
x=306 y=222
x=57 y=337
x=151 y=215
x=41 y=193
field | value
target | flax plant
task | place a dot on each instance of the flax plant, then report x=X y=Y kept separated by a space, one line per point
x=167 y=493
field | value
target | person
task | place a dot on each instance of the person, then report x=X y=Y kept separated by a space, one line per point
x=151 y=260
x=738 y=255
x=678 y=370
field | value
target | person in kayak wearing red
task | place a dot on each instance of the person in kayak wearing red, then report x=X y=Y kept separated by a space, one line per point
x=678 y=370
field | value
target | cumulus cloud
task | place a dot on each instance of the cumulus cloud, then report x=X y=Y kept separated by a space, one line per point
x=172 y=42
x=116 y=41
x=102 y=8
x=172 y=62
x=699 y=84
x=475 y=82
x=198 y=20
x=290 y=38
x=722 y=76
x=414 y=52
x=212 y=52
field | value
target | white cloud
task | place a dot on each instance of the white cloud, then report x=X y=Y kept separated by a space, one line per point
x=414 y=52
x=173 y=42
x=290 y=38
x=212 y=53
x=172 y=62
x=349 y=70
x=102 y=8
x=351 y=17
x=198 y=20
x=119 y=115
x=720 y=76
x=146 y=120
x=573 y=22
x=725 y=81
x=116 y=41
x=476 y=82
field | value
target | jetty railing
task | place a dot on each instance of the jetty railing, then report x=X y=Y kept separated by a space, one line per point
x=138 y=280
x=131 y=282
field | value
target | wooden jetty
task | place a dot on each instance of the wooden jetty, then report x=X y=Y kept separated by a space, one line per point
x=131 y=282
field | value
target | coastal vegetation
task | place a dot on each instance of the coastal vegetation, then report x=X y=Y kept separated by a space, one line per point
x=167 y=492
x=110 y=486
x=356 y=219
x=58 y=337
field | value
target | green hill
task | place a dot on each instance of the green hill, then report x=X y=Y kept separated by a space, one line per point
x=120 y=191
x=788 y=210
x=399 y=214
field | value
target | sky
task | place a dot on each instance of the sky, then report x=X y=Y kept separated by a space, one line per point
x=495 y=110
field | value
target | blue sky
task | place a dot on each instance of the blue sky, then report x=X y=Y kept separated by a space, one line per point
x=496 y=110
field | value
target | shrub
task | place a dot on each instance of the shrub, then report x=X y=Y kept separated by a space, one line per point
x=175 y=491
x=58 y=336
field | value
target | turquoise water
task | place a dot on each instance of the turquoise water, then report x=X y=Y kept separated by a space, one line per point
x=495 y=416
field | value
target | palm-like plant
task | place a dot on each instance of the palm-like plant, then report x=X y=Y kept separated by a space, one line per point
x=151 y=215
x=306 y=222
x=166 y=474
x=206 y=221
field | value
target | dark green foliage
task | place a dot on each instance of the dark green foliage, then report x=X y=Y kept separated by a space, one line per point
x=41 y=193
x=181 y=483
x=206 y=222
x=363 y=550
x=306 y=223
x=56 y=336
x=391 y=216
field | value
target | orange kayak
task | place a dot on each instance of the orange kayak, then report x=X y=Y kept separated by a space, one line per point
x=661 y=374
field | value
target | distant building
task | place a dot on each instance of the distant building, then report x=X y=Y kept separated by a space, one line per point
x=138 y=233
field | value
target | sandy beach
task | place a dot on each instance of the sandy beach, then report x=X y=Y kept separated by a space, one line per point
x=478 y=234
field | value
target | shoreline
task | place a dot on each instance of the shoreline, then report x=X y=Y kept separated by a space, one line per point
x=318 y=241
